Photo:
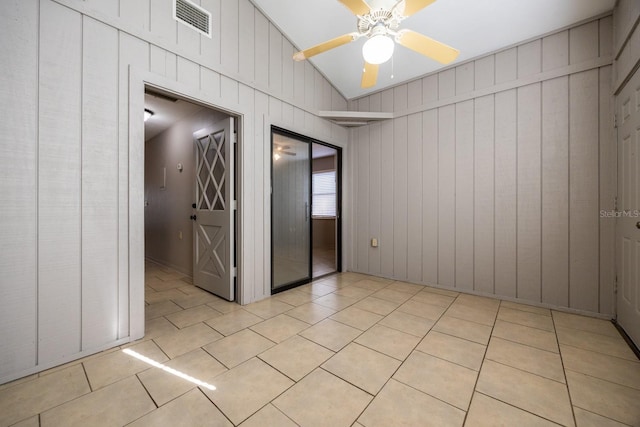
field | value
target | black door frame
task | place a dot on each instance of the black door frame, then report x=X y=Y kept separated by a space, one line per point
x=310 y=141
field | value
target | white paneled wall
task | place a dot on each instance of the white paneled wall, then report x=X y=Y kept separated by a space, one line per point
x=491 y=176
x=71 y=283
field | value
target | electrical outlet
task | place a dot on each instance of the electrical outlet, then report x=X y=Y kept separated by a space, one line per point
x=374 y=242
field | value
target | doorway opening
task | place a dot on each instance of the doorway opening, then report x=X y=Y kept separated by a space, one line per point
x=306 y=201
x=190 y=191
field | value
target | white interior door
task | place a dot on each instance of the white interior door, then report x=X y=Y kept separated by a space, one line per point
x=213 y=225
x=628 y=223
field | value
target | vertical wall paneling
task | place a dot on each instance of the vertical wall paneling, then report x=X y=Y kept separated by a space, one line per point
x=529 y=59
x=99 y=184
x=188 y=72
x=386 y=100
x=353 y=192
x=447 y=84
x=414 y=94
x=400 y=98
x=484 y=72
x=483 y=198
x=465 y=78
x=364 y=103
x=505 y=193
x=414 y=201
x=446 y=195
x=583 y=42
x=338 y=103
x=287 y=114
x=162 y=23
x=309 y=83
x=106 y=7
x=387 y=155
x=377 y=152
x=59 y=183
x=605 y=35
x=275 y=109
x=275 y=60
x=374 y=102
x=262 y=213
x=464 y=195
x=583 y=190
x=361 y=135
x=18 y=185
x=298 y=80
x=247 y=159
x=261 y=43
x=430 y=204
x=133 y=52
x=326 y=86
x=157 y=60
x=246 y=39
x=317 y=85
x=400 y=196
x=607 y=193
x=135 y=13
x=430 y=88
x=287 y=72
x=229 y=90
x=506 y=65
x=229 y=35
x=210 y=47
x=210 y=82
x=529 y=197
x=555 y=51
x=555 y=191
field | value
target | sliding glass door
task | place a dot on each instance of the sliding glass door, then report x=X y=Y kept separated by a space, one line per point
x=291 y=210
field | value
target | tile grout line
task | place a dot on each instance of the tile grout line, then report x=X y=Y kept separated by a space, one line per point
x=564 y=370
x=484 y=357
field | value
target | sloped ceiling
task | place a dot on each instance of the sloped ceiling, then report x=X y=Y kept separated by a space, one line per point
x=475 y=27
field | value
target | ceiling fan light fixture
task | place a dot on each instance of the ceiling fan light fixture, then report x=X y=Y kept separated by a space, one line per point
x=378 y=49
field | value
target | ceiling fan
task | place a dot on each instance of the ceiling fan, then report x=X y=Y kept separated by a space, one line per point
x=282 y=149
x=378 y=20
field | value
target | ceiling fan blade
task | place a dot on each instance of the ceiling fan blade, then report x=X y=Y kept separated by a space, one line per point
x=358 y=7
x=369 y=75
x=413 y=6
x=427 y=46
x=323 y=47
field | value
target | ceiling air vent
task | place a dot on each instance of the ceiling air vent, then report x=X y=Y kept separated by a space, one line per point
x=193 y=16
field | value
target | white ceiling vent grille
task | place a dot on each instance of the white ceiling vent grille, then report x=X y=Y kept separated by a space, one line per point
x=193 y=16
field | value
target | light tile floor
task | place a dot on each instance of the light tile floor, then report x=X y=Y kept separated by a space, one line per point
x=348 y=350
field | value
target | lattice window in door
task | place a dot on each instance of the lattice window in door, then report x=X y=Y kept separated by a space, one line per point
x=211 y=171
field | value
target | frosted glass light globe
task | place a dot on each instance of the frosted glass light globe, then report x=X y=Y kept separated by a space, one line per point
x=378 y=49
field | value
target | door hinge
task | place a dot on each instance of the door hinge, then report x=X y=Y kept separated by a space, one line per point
x=615 y=285
x=234 y=137
x=235 y=272
x=234 y=205
x=615 y=204
x=615 y=121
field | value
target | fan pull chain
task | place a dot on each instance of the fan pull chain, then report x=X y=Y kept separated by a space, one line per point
x=392 y=67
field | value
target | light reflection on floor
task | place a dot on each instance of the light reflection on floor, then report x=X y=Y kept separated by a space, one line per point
x=167 y=369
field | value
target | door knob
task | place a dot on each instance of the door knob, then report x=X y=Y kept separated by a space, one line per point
x=193 y=217
x=638 y=224
x=193 y=205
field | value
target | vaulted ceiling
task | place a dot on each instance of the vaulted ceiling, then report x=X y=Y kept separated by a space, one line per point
x=474 y=27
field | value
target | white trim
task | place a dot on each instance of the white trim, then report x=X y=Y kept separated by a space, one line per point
x=138 y=79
